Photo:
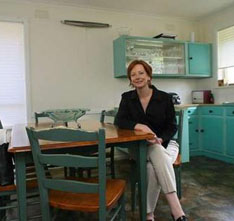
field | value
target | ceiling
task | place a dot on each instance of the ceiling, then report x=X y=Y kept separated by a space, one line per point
x=188 y=9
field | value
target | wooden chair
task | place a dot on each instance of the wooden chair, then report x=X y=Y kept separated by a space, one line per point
x=87 y=195
x=7 y=191
x=8 y=203
x=111 y=154
x=67 y=171
x=38 y=116
x=177 y=164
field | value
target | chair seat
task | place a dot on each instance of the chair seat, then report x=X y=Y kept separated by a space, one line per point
x=30 y=185
x=178 y=161
x=87 y=202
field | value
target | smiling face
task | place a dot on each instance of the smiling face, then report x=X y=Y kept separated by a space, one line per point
x=139 y=77
x=139 y=68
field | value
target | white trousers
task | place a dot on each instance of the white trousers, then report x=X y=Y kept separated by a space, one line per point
x=160 y=172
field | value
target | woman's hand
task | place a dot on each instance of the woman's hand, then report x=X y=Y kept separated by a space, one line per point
x=156 y=140
x=146 y=129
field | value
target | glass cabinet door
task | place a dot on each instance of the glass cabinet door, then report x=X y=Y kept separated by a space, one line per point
x=166 y=58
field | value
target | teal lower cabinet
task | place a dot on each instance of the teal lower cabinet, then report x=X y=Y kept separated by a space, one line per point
x=211 y=132
x=193 y=135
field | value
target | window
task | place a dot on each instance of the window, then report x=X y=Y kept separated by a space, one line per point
x=226 y=56
x=12 y=74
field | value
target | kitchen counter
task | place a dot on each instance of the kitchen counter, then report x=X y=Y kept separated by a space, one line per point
x=185 y=106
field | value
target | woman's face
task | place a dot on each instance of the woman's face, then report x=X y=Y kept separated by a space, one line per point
x=139 y=77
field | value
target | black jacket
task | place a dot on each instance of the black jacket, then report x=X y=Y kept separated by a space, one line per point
x=159 y=116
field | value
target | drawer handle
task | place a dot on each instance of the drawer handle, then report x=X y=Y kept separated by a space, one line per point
x=190 y=122
x=202 y=130
x=189 y=111
x=232 y=112
x=197 y=130
x=191 y=58
x=210 y=111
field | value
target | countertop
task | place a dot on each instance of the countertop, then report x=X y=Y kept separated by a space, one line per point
x=184 y=106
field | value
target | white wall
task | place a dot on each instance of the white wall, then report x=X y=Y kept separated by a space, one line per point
x=208 y=32
x=73 y=67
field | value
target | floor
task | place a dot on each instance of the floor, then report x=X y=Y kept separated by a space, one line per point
x=207 y=190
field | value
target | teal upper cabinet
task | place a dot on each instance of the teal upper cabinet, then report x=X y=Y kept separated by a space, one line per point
x=168 y=58
x=199 y=59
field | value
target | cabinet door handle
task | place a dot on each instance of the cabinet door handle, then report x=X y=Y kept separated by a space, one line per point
x=190 y=58
x=190 y=122
x=202 y=130
x=197 y=130
x=210 y=111
x=232 y=112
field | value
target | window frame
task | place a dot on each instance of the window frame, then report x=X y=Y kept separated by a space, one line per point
x=222 y=83
x=27 y=62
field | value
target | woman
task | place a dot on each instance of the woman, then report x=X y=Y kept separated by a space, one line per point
x=152 y=111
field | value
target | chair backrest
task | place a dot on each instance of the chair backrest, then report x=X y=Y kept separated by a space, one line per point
x=180 y=124
x=109 y=113
x=68 y=160
x=40 y=115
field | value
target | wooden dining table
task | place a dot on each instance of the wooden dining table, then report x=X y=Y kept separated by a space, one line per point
x=20 y=147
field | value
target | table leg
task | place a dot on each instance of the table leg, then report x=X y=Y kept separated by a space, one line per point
x=141 y=159
x=21 y=185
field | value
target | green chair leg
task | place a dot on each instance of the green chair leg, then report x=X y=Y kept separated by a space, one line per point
x=2 y=203
x=133 y=183
x=177 y=170
x=112 y=161
x=122 y=212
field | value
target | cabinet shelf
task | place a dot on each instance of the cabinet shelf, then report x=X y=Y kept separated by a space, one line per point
x=174 y=58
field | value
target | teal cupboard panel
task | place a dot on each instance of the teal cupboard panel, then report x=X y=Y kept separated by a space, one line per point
x=217 y=111
x=230 y=131
x=199 y=55
x=212 y=134
x=193 y=133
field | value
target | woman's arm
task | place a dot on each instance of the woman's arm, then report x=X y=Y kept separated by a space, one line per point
x=146 y=129
x=123 y=118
